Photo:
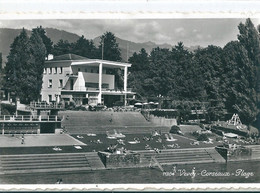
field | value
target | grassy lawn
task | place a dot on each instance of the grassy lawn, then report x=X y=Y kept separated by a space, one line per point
x=182 y=142
x=91 y=144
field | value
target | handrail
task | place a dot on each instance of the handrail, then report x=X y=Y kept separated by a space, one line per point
x=45 y=105
x=31 y=118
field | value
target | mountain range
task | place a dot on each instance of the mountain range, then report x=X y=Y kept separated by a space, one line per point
x=127 y=48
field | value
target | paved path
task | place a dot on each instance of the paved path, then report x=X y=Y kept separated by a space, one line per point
x=38 y=140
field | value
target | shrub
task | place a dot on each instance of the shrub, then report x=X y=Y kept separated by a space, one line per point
x=203 y=137
x=8 y=109
x=195 y=134
x=119 y=103
x=175 y=129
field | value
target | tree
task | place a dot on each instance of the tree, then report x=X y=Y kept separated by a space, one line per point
x=110 y=47
x=84 y=47
x=1 y=61
x=187 y=78
x=239 y=78
x=17 y=60
x=38 y=51
x=249 y=38
x=160 y=79
x=139 y=71
x=24 y=66
x=45 y=39
x=209 y=69
x=139 y=61
x=62 y=47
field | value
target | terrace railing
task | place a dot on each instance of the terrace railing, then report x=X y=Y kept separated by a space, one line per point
x=43 y=105
x=198 y=111
x=29 y=118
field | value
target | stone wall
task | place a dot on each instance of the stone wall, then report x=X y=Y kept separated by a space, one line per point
x=113 y=160
x=162 y=121
x=235 y=153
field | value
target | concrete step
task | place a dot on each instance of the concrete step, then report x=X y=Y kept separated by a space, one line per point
x=184 y=156
x=178 y=154
x=49 y=170
x=191 y=150
x=57 y=164
x=29 y=167
x=33 y=163
x=187 y=162
x=181 y=159
x=44 y=155
x=95 y=162
x=41 y=159
x=215 y=155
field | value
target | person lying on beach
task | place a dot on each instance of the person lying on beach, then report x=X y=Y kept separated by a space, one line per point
x=159 y=140
x=157 y=150
x=195 y=143
x=121 y=142
x=98 y=141
x=147 y=147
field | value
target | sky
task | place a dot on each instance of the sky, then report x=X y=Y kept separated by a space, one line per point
x=191 y=32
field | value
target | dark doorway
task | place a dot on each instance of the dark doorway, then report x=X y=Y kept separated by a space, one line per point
x=47 y=127
x=110 y=100
x=85 y=101
x=71 y=84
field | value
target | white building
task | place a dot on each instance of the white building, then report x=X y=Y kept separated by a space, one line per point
x=71 y=77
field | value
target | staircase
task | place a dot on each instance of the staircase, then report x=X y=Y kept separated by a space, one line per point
x=183 y=156
x=58 y=162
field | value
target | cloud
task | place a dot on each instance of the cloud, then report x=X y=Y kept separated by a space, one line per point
x=190 y=31
x=179 y=30
x=199 y=36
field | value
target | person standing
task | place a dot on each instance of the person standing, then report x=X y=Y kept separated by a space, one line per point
x=22 y=139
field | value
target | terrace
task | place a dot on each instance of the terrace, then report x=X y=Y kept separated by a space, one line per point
x=29 y=118
x=43 y=105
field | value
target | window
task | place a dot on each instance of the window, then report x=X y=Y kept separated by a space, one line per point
x=78 y=69
x=91 y=70
x=105 y=85
x=61 y=70
x=55 y=70
x=50 y=98
x=50 y=70
x=50 y=83
x=91 y=84
x=86 y=70
x=61 y=83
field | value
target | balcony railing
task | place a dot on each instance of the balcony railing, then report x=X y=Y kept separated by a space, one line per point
x=198 y=111
x=83 y=88
x=44 y=105
x=29 y=118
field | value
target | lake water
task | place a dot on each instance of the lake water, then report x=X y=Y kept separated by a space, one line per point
x=239 y=172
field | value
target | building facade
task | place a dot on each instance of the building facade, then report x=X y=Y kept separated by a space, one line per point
x=71 y=77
